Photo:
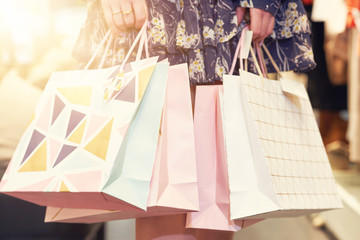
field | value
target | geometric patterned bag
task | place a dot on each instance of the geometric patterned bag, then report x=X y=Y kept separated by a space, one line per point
x=173 y=187
x=82 y=152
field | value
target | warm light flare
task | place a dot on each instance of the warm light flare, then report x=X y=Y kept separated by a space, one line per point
x=21 y=23
x=29 y=27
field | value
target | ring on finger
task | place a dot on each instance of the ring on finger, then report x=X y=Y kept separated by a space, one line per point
x=117 y=12
x=127 y=12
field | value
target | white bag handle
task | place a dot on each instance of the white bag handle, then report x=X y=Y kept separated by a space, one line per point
x=112 y=87
x=110 y=37
x=107 y=35
x=242 y=48
x=142 y=37
x=101 y=64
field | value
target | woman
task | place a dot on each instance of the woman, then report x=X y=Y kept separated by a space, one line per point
x=203 y=33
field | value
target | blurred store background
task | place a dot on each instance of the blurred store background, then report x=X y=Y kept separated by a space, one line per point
x=37 y=37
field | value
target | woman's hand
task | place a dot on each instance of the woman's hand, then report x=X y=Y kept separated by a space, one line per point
x=123 y=15
x=261 y=22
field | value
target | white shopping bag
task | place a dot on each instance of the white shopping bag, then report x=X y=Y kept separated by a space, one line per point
x=277 y=163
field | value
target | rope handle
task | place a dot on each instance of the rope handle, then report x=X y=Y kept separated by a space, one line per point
x=260 y=56
x=259 y=65
x=276 y=67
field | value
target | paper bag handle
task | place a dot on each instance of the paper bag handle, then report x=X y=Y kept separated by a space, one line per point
x=142 y=37
x=260 y=67
x=143 y=41
x=260 y=56
x=109 y=37
x=276 y=67
x=262 y=60
x=239 y=50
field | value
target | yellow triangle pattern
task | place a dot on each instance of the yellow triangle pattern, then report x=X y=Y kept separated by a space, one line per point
x=120 y=76
x=78 y=134
x=63 y=187
x=144 y=78
x=99 y=145
x=118 y=86
x=106 y=94
x=37 y=162
x=77 y=95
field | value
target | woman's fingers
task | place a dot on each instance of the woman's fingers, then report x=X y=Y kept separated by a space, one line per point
x=140 y=11
x=108 y=14
x=270 y=26
x=256 y=23
x=127 y=13
x=261 y=23
x=122 y=15
x=240 y=13
x=118 y=21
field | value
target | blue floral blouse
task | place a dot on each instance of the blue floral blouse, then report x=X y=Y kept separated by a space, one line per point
x=204 y=33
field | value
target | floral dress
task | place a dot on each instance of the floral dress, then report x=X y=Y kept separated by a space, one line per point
x=204 y=34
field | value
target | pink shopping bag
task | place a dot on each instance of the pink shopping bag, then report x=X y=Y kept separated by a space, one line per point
x=173 y=187
x=214 y=193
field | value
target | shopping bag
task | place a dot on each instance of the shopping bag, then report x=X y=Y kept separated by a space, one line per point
x=82 y=152
x=173 y=187
x=214 y=190
x=277 y=163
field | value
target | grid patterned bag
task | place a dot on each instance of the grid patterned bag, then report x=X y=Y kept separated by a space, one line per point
x=277 y=163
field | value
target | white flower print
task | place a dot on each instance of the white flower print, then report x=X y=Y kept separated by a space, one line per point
x=196 y=66
x=246 y=3
x=208 y=33
x=292 y=5
x=157 y=32
x=184 y=40
x=308 y=52
x=294 y=22
x=219 y=69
